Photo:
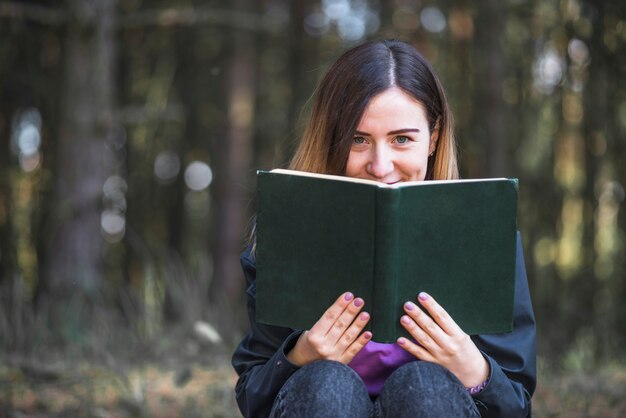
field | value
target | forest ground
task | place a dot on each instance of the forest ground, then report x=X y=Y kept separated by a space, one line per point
x=199 y=382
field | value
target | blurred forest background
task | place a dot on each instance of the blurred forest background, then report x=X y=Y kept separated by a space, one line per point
x=130 y=132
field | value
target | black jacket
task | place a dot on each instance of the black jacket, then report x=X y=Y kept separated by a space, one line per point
x=260 y=359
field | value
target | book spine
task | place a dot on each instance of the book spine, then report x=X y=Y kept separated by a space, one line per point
x=384 y=305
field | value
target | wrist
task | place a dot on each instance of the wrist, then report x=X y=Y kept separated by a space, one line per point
x=294 y=358
x=475 y=390
x=295 y=355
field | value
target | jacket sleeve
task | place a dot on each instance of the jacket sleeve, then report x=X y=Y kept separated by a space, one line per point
x=511 y=357
x=260 y=359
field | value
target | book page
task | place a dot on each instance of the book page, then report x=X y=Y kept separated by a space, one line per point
x=376 y=183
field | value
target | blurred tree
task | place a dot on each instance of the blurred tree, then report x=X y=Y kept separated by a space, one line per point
x=29 y=56
x=598 y=68
x=8 y=252
x=72 y=274
x=8 y=264
x=492 y=119
x=303 y=53
x=233 y=156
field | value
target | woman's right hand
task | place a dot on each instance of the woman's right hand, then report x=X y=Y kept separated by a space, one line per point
x=336 y=336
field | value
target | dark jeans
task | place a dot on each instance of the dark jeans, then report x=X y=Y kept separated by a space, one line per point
x=331 y=389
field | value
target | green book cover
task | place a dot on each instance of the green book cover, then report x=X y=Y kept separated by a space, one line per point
x=320 y=235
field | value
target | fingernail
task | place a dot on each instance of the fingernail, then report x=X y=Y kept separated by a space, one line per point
x=401 y=341
x=405 y=319
x=348 y=296
x=409 y=306
x=367 y=335
x=358 y=302
x=364 y=316
x=423 y=296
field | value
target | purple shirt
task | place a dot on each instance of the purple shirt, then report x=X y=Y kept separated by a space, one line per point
x=376 y=361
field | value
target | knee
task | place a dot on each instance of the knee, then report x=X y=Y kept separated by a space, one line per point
x=422 y=389
x=326 y=387
x=325 y=375
x=423 y=375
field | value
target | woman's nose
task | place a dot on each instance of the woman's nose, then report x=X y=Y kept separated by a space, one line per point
x=381 y=163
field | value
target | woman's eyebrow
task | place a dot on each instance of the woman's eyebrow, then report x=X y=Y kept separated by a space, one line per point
x=395 y=132
x=402 y=131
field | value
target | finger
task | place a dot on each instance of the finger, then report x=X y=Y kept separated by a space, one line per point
x=325 y=323
x=439 y=314
x=356 y=346
x=424 y=323
x=344 y=321
x=415 y=349
x=421 y=337
x=353 y=331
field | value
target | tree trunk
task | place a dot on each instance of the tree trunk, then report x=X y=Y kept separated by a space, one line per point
x=492 y=115
x=73 y=259
x=8 y=251
x=303 y=57
x=235 y=153
x=606 y=187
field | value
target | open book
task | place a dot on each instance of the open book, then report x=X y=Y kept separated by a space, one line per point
x=320 y=235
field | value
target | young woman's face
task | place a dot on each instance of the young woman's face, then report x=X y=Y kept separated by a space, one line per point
x=392 y=141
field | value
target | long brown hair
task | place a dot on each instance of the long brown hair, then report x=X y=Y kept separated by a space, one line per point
x=345 y=91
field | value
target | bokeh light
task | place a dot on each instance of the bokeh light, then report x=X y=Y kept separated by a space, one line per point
x=578 y=51
x=336 y=9
x=548 y=70
x=26 y=139
x=113 y=225
x=198 y=175
x=166 y=167
x=433 y=20
x=353 y=19
x=351 y=27
x=113 y=217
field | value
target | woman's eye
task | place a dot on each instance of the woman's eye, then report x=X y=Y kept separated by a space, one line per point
x=358 y=140
x=402 y=139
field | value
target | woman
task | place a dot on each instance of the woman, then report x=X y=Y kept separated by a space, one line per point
x=381 y=113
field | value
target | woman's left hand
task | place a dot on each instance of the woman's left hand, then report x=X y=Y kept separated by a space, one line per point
x=440 y=340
